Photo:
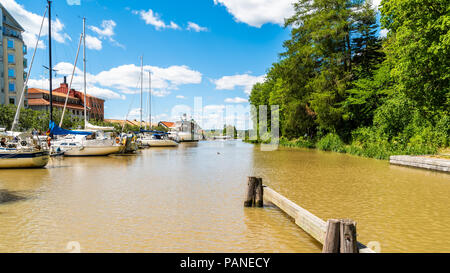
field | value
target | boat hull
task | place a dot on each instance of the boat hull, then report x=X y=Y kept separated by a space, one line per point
x=93 y=151
x=162 y=143
x=187 y=137
x=24 y=160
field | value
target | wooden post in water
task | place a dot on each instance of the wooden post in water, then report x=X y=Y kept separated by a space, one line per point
x=259 y=193
x=255 y=192
x=348 y=243
x=332 y=237
x=251 y=191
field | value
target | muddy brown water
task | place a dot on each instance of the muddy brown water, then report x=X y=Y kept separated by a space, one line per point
x=190 y=199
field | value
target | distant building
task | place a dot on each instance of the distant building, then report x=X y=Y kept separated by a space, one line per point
x=129 y=122
x=167 y=124
x=39 y=99
x=12 y=61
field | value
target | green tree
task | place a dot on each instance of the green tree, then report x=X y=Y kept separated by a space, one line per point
x=419 y=49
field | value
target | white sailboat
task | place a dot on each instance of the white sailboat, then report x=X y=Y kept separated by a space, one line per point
x=18 y=150
x=152 y=138
x=92 y=141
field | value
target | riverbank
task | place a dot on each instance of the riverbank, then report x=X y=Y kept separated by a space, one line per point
x=378 y=150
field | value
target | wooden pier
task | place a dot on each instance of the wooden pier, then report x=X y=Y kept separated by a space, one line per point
x=428 y=163
x=341 y=235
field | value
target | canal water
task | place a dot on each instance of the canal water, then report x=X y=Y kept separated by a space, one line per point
x=190 y=199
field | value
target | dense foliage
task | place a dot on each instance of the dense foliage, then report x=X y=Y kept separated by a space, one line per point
x=342 y=87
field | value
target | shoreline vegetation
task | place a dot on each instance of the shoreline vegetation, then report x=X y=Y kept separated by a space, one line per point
x=332 y=143
x=343 y=85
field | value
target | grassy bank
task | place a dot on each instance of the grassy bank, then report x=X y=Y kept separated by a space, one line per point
x=376 y=149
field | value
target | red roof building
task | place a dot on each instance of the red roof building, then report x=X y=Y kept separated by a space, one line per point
x=39 y=99
x=167 y=124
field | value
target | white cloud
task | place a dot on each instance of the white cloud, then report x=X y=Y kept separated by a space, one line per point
x=106 y=30
x=31 y=22
x=180 y=97
x=259 y=12
x=236 y=100
x=73 y=2
x=231 y=82
x=126 y=79
x=93 y=42
x=383 y=32
x=152 y=18
x=195 y=27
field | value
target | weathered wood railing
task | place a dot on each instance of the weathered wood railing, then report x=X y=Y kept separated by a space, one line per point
x=336 y=236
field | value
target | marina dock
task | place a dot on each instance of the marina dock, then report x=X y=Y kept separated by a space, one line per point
x=423 y=162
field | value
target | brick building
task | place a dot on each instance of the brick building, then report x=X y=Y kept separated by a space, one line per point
x=39 y=99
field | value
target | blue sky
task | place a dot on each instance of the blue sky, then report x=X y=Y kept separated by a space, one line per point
x=213 y=49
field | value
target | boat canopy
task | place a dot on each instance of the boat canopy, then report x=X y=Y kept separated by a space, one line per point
x=56 y=130
x=155 y=132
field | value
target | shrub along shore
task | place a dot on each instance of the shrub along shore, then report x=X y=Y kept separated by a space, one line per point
x=378 y=150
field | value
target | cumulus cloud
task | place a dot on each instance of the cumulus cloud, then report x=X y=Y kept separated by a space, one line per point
x=236 y=100
x=152 y=18
x=195 y=27
x=231 y=82
x=125 y=79
x=259 y=12
x=93 y=43
x=31 y=22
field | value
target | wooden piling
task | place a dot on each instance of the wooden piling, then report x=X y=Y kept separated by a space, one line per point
x=348 y=242
x=251 y=191
x=332 y=240
x=259 y=194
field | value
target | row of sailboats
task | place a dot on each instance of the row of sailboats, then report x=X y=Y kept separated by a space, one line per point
x=19 y=150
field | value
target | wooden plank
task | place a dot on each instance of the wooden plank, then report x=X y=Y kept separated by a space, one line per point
x=310 y=223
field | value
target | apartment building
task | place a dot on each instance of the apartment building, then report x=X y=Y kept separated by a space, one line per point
x=12 y=60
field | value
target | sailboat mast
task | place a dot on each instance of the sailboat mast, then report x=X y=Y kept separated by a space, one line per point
x=142 y=85
x=84 y=70
x=150 y=99
x=50 y=56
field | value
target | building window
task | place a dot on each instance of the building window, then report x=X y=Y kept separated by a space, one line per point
x=11 y=73
x=11 y=59
x=10 y=43
x=25 y=50
x=12 y=100
x=12 y=87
